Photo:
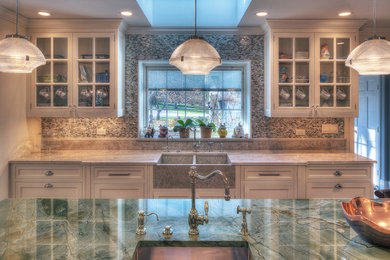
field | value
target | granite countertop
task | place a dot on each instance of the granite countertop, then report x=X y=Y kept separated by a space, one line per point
x=105 y=229
x=147 y=157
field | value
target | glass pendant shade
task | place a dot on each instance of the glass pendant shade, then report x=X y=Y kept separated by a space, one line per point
x=18 y=55
x=371 y=57
x=195 y=57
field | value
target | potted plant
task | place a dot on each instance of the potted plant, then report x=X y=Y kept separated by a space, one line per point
x=206 y=129
x=184 y=127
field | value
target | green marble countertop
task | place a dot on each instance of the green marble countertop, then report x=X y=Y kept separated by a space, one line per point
x=105 y=229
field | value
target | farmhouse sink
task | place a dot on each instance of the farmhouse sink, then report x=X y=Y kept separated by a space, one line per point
x=194 y=159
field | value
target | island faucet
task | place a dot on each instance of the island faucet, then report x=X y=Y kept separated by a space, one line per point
x=196 y=144
x=194 y=220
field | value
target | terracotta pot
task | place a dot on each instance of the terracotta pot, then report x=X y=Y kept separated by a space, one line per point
x=205 y=131
x=184 y=132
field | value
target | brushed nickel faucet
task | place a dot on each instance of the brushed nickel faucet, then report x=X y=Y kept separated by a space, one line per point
x=244 y=225
x=141 y=222
x=194 y=219
x=196 y=144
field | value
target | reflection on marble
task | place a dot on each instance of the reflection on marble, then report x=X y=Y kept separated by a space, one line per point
x=105 y=229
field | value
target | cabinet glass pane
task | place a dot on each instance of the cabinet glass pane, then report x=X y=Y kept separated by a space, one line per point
x=285 y=96
x=44 y=73
x=85 y=72
x=44 y=44
x=85 y=48
x=60 y=72
x=102 y=96
x=85 y=96
x=302 y=96
x=102 y=72
x=326 y=96
x=302 y=72
x=285 y=48
x=326 y=72
x=60 y=48
x=43 y=96
x=60 y=96
x=302 y=48
x=342 y=96
x=326 y=48
x=102 y=48
x=342 y=48
x=285 y=72
x=342 y=74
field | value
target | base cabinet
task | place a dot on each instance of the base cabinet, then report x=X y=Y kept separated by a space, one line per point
x=269 y=190
x=339 y=190
x=186 y=193
x=48 y=190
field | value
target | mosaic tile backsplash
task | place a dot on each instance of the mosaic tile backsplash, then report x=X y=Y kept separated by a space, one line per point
x=159 y=47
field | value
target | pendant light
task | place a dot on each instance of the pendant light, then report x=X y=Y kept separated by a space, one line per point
x=372 y=57
x=195 y=56
x=17 y=54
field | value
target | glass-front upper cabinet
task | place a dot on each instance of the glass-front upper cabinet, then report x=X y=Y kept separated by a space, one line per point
x=52 y=82
x=93 y=71
x=294 y=71
x=333 y=79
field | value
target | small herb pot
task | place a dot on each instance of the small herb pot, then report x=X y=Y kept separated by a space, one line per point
x=184 y=132
x=205 y=131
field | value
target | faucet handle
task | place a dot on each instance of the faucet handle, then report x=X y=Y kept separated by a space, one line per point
x=206 y=212
x=243 y=210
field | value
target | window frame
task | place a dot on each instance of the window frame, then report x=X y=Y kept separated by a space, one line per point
x=145 y=66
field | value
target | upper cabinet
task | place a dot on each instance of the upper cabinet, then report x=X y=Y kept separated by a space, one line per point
x=83 y=75
x=305 y=72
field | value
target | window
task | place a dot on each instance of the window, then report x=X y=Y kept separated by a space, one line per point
x=167 y=95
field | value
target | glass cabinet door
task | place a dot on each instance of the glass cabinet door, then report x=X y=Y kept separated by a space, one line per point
x=94 y=70
x=294 y=70
x=334 y=76
x=52 y=79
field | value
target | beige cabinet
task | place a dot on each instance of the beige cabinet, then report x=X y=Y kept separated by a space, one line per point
x=305 y=69
x=83 y=75
x=44 y=180
x=211 y=193
x=269 y=182
x=127 y=182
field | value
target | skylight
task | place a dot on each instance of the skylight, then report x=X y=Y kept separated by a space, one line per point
x=180 y=13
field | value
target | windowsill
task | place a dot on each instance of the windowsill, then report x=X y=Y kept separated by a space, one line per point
x=178 y=139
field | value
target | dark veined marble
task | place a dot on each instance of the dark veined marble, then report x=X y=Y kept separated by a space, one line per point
x=105 y=229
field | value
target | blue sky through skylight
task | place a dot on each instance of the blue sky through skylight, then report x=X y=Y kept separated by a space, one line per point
x=180 y=13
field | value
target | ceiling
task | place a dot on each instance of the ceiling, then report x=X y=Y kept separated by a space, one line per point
x=277 y=9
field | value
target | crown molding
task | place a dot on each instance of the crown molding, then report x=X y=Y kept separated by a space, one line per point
x=9 y=15
x=74 y=25
x=256 y=30
x=316 y=24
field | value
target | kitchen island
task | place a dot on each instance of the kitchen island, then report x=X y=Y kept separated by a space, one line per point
x=106 y=228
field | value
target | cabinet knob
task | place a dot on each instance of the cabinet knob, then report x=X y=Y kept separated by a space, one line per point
x=49 y=173
x=337 y=173
x=338 y=186
x=48 y=186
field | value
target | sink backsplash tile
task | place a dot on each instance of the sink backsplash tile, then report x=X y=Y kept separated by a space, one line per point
x=160 y=47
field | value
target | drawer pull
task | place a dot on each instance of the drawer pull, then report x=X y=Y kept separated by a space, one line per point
x=269 y=174
x=338 y=186
x=48 y=186
x=337 y=173
x=119 y=174
x=49 y=173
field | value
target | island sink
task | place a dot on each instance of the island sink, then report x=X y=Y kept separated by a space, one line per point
x=194 y=159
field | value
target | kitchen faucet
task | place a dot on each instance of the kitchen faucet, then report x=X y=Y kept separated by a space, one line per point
x=194 y=220
x=167 y=139
x=196 y=144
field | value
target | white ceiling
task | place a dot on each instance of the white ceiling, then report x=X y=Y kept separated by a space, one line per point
x=278 y=9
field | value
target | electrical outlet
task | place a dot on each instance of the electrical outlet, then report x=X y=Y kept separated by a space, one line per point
x=101 y=131
x=300 y=131
x=330 y=128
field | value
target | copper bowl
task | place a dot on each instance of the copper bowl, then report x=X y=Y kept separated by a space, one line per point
x=370 y=219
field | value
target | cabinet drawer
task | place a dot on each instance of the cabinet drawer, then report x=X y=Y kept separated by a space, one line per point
x=123 y=173
x=337 y=173
x=279 y=173
x=49 y=172
x=323 y=190
x=119 y=190
x=48 y=190
x=269 y=190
